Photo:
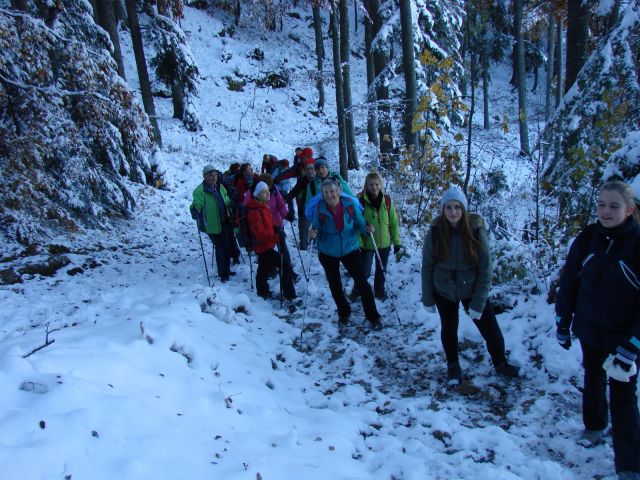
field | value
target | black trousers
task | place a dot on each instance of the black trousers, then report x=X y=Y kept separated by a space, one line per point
x=267 y=261
x=623 y=404
x=222 y=248
x=368 y=259
x=353 y=263
x=303 y=225
x=487 y=325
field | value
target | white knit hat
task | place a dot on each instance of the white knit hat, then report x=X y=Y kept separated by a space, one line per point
x=454 y=193
x=260 y=187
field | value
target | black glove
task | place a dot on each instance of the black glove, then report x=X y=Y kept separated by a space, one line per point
x=397 y=249
x=194 y=213
x=563 y=335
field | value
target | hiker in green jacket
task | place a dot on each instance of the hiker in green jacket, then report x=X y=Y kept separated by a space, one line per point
x=210 y=209
x=322 y=173
x=380 y=212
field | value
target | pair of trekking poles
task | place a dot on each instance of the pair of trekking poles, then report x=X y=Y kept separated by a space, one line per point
x=384 y=275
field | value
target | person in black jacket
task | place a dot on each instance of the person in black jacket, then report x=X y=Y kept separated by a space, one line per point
x=599 y=299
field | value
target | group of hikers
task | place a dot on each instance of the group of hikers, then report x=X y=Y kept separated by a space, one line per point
x=598 y=296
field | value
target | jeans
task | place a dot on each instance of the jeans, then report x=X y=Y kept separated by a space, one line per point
x=353 y=264
x=487 y=325
x=223 y=252
x=623 y=405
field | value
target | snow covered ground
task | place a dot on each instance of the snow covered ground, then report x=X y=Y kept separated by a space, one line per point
x=154 y=375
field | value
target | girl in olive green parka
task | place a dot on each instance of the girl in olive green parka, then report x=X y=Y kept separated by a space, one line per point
x=456 y=268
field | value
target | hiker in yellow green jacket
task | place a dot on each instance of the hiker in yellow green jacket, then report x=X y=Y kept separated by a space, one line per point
x=210 y=209
x=380 y=212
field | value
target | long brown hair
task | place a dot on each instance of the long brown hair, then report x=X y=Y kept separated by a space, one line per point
x=443 y=239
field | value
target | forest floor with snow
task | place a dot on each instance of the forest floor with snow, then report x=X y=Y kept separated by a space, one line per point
x=151 y=373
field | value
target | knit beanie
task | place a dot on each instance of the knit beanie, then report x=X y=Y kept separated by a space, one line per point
x=321 y=162
x=208 y=168
x=260 y=187
x=454 y=193
x=309 y=161
x=306 y=153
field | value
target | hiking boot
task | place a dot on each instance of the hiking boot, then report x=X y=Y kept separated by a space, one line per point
x=381 y=295
x=291 y=307
x=343 y=320
x=376 y=324
x=505 y=369
x=454 y=373
x=590 y=438
x=354 y=295
x=265 y=295
x=236 y=260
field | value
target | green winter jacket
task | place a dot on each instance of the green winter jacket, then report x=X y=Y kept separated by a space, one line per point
x=385 y=223
x=211 y=207
x=315 y=190
x=455 y=279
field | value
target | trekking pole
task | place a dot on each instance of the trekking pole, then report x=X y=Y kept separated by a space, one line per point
x=281 y=266
x=306 y=292
x=384 y=275
x=206 y=269
x=293 y=230
x=250 y=269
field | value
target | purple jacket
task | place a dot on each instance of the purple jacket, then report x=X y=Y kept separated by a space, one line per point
x=277 y=205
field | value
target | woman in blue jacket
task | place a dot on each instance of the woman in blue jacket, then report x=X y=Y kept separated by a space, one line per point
x=336 y=221
x=599 y=299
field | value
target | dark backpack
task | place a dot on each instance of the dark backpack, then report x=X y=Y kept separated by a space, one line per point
x=241 y=227
x=387 y=201
x=585 y=244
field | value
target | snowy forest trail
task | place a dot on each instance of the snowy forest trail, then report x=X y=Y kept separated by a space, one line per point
x=137 y=327
x=149 y=278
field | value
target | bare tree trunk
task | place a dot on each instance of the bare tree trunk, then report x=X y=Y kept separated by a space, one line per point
x=107 y=20
x=337 y=73
x=143 y=74
x=372 y=118
x=472 y=109
x=577 y=38
x=317 y=27
x=177 y=96
x=522 y=80
x=380 y=61
x=551 y=50
x=121 y=13
x=408 y=65
x=345 y=54
x=559 y=85
x=485 y=72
